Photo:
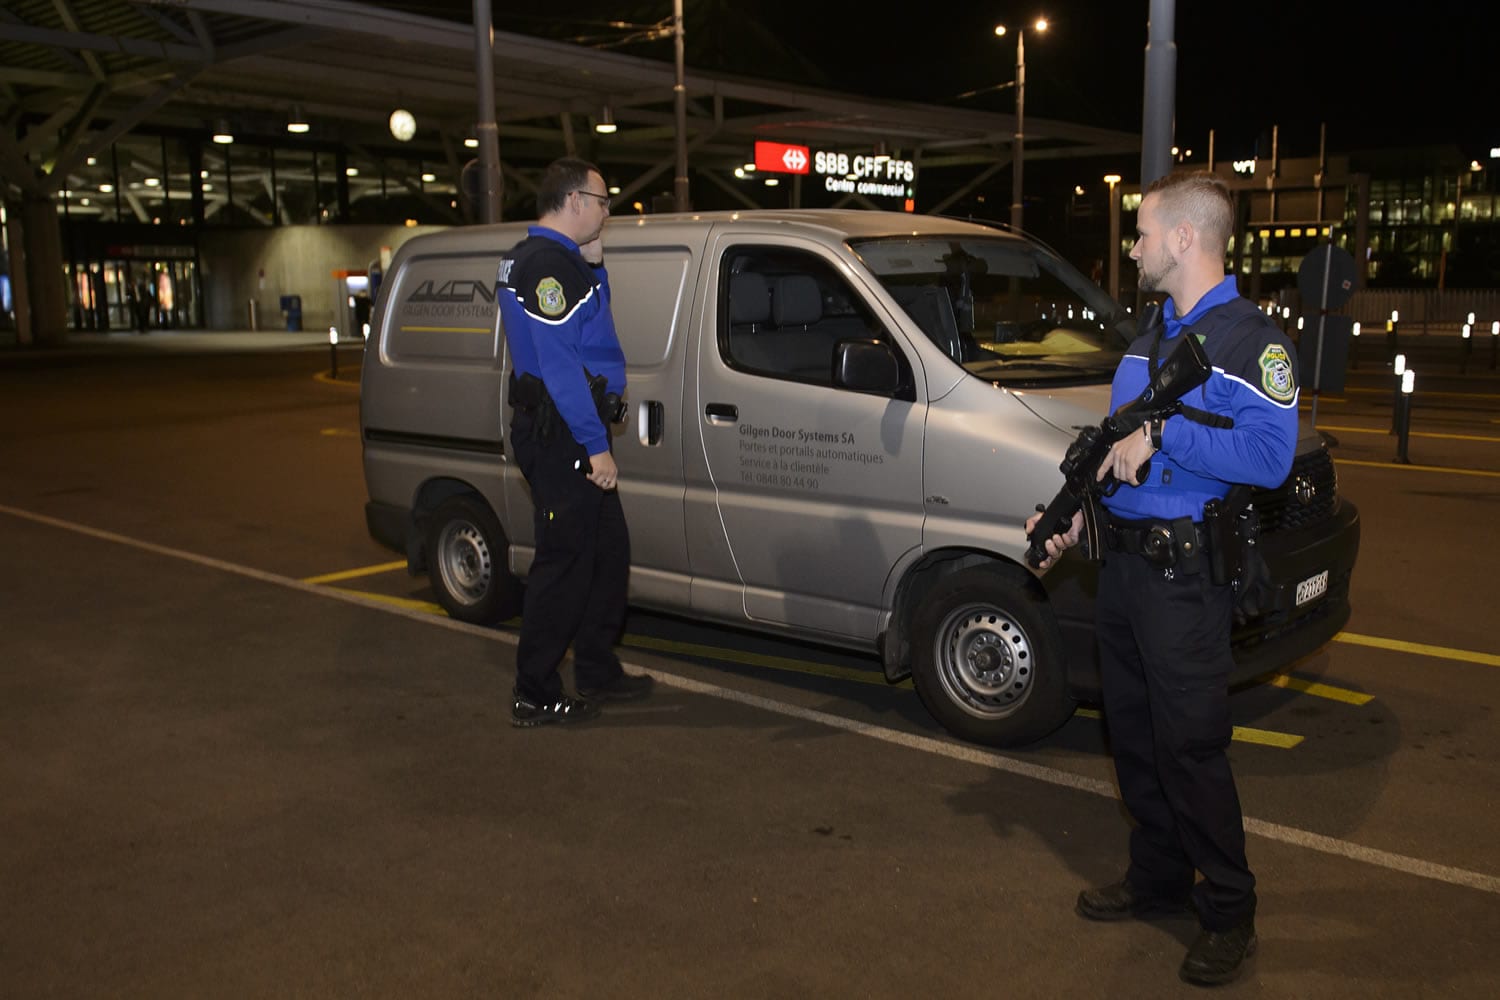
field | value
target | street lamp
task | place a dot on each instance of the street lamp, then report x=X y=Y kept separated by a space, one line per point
x=1114 y=237
x=1019 y=149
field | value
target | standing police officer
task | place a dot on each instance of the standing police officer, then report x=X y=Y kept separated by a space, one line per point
x=569 y=375
x=1164 y=630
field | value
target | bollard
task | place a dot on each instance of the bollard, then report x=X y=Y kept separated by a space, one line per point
x=1286 y=320
x=1403 y=405
x=1354 y=348
x=1463 y=359
x=1494 y=340
x=333 y=352
x=1392 y=333
x=1399 y=366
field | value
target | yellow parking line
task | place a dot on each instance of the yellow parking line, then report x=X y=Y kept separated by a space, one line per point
x=1320 y=690
x=1419 y=648
x=338 y=432
x=326 y=378
x=1421 y=434
x=351 y=574
x=400 y=602
x=1364 y=391
x=1241 y=734
x=759 y=660
x=1419 y=468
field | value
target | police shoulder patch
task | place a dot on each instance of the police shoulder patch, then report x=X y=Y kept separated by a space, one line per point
x=1276 y=374
x=550 y=298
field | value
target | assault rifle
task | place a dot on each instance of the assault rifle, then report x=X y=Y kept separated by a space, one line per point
x=1185 y=369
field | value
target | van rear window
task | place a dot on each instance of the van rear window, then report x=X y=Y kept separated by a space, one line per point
x=442 y=309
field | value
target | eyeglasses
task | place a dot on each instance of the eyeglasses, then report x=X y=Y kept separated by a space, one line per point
x=603 y=198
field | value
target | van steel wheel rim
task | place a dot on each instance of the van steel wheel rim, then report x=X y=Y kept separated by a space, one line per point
x=464 y=561
x=984 y=661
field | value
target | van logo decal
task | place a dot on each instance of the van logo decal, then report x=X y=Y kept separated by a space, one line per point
x=457 y=290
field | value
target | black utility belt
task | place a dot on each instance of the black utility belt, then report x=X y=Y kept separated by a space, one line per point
x=1164 y=544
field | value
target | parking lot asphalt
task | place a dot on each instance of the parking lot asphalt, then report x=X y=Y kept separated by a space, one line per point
x=224 y=780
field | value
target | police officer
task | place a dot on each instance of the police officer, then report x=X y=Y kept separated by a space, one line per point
x=1163 y=630
x=554 y=300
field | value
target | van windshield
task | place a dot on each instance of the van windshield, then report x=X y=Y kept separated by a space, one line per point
x=1009 y=312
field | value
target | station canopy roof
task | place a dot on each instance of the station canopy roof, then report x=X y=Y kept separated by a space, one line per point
x=76 y=76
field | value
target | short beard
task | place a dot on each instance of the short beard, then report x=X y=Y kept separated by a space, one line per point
x=1153 y=282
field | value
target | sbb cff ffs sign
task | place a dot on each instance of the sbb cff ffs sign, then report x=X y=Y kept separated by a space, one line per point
x=780 y=158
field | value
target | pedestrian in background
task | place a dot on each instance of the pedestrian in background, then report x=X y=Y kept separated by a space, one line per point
x=567 y=382
x=1163 y=625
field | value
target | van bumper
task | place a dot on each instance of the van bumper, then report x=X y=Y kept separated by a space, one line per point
x=1272 y=642
x=1288 y=632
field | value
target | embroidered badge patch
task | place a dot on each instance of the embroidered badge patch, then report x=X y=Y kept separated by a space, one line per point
x=550 y=298
x=1276 y=374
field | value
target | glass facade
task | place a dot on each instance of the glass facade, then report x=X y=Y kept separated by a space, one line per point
x=131 y=215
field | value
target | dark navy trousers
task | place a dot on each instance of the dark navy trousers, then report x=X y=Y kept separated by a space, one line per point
x=576 y=589
x=1165 y=663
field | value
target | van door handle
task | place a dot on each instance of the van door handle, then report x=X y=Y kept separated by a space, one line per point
x=656 y=419
x=722 y=413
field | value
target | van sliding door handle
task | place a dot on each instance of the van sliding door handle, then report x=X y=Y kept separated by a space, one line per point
x=722 y=413
x=656 y=420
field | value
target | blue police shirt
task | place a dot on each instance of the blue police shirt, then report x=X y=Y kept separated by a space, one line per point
x=1254 y=382
x=557 y=321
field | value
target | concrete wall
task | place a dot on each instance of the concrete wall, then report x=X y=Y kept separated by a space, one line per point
x=265 y=264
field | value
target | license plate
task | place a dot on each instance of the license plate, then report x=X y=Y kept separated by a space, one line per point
x=1312 y=588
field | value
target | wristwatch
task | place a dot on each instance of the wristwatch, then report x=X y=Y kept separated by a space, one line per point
x=1155 y=426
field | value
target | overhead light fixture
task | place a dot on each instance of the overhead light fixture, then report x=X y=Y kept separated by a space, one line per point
x=428 y=178
x=403 y=124
x=606 y=123
x=298 y=122
x=471 y=143
x=222 y=135
x=351 y=171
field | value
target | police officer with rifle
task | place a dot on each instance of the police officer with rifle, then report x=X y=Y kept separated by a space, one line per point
x=568 y=380
x=1166 y=603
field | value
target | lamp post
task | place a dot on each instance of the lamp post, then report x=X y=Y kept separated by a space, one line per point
x=1019 y=148
x=1114 y=236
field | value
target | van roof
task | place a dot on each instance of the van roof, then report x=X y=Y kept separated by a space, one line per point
x=845 y=223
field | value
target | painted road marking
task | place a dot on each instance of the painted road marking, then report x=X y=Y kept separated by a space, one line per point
x=1386 y=432
x=1419 y=648
x=1418 y=867
x=1318 y=690
x=1241 y=734
x=353 y=574
x=1418 y=468
x=338 y=432
x=1426 y=392
x=327 y=379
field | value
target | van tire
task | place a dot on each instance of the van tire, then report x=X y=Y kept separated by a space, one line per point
x=987 y=657
x=467 y=562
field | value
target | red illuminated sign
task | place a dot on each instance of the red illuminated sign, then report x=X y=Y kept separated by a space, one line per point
x=779 y=158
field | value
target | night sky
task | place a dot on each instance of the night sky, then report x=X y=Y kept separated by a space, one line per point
x=1378 y=75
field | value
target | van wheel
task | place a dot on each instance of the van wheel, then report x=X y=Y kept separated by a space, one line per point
x=987 y=658
x=466 y=562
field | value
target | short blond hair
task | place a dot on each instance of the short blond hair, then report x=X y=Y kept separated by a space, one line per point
x=1200 y=198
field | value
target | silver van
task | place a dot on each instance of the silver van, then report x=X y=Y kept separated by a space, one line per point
x=838 y=423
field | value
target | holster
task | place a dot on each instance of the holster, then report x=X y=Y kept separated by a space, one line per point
x=610 y=406
x=529 y=395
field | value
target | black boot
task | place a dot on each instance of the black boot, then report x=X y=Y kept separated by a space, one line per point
x=1216 y=957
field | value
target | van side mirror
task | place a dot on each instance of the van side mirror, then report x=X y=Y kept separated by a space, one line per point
x=866 y=366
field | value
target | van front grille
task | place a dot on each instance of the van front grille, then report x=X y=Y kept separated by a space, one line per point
x=1307 y=497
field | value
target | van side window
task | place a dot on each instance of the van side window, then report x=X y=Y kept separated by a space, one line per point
x=782 y=312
